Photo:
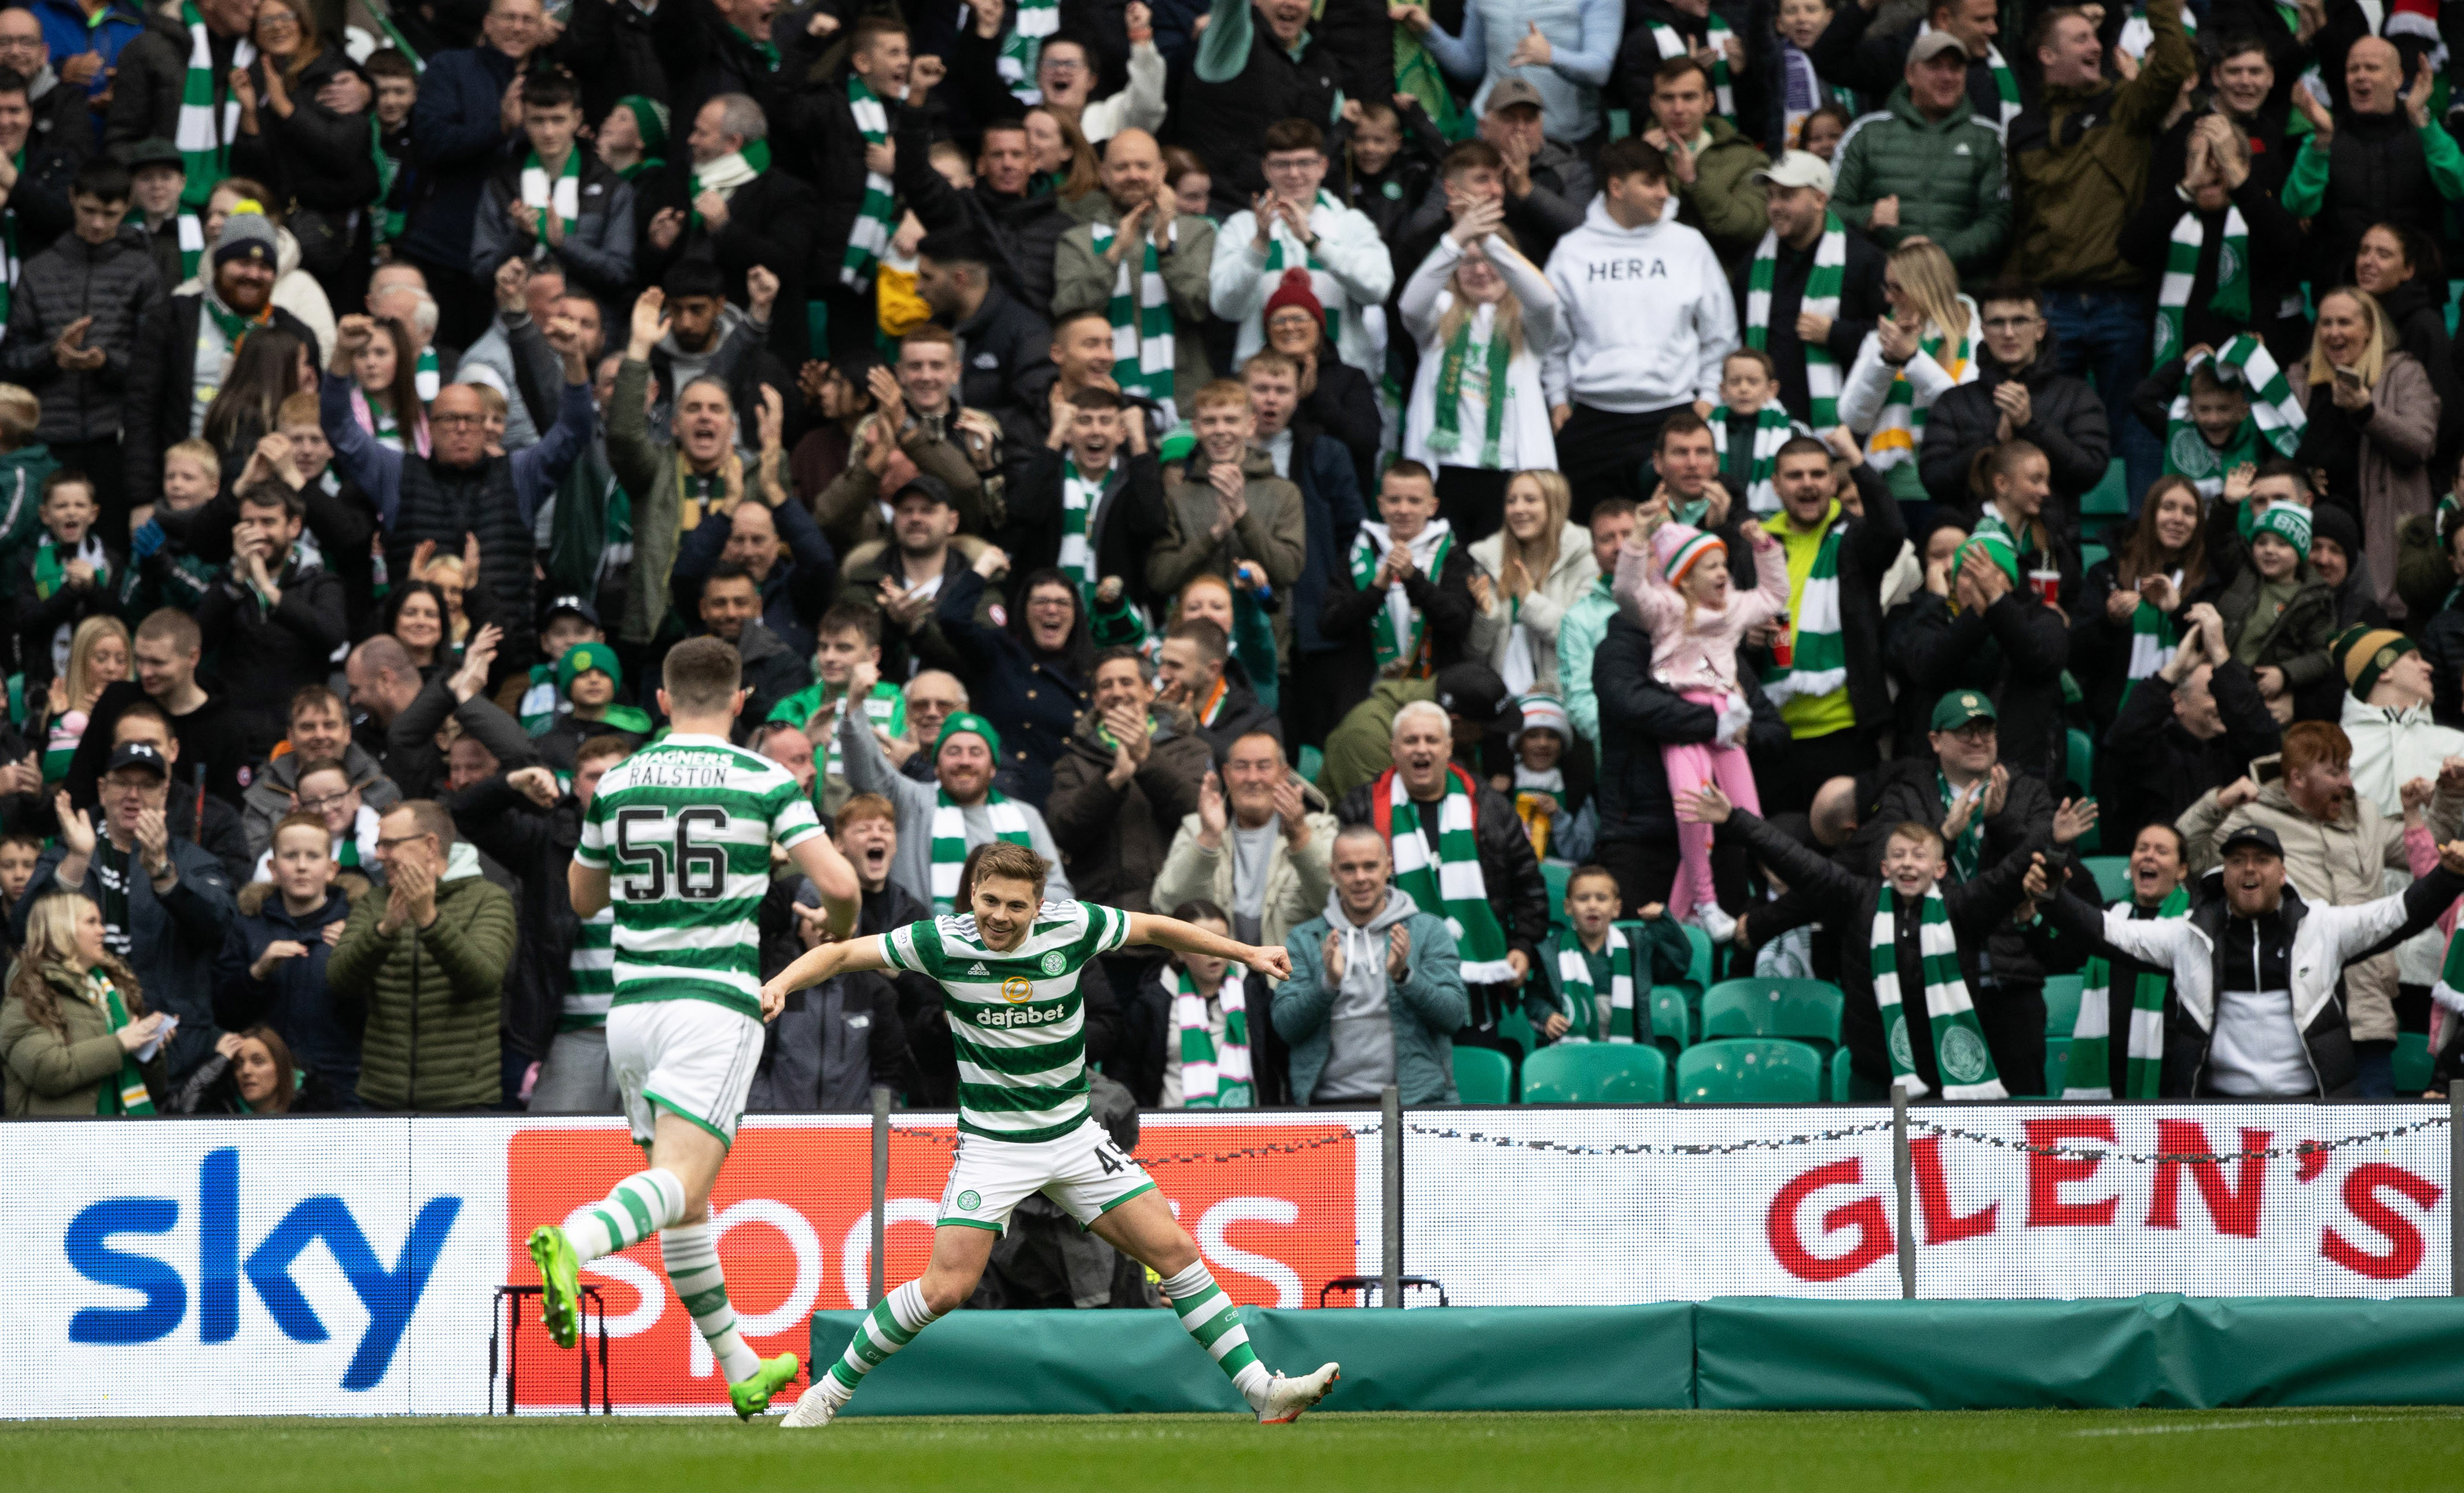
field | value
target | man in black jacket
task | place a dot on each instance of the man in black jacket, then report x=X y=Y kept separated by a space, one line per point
x=616 y=49
x=768 y=219
x=1798 y=196
x=386 y=683
x=1022 y=229
x=2018 y=391
x=552 y=202
x=190 y=348
x=1996 y=638
x=81 y=310
x=1098 y=443
x=998 y=338
x=1509 y=874
x=1638 y=836
x=151 y=70
x=558 y=990
x=1256 y=64
x=2194 y=726
x=274 y=619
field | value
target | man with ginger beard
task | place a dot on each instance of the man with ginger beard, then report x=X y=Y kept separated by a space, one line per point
x=458 y=489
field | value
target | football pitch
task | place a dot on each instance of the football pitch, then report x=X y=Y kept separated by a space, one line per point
x=2298 y=1451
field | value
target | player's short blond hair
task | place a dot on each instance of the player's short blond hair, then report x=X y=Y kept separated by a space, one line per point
x=1006 y=861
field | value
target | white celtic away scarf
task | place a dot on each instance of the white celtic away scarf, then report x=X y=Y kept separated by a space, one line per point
x=1213 y=1075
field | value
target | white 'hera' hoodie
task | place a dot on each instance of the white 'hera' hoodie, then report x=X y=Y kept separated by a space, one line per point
x=1644 y=319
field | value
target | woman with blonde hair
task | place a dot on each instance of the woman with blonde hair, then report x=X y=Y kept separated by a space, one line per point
x=1531 y=569
x=98 y=655
x=2372 y=427
x=1484 y=315
x=73 y=1021
x=1926 y=345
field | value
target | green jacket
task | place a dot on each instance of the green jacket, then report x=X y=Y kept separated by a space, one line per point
x=49 y=1074
x=1725 y=201
x=2078 y=181
x=21 y=498
x=1947 y=173
x=1426 y=1008
x=1362 y=744
x=434 y=996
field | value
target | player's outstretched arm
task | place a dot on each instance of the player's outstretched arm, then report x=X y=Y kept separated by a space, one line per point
x=588 y=889
x=817 y=964
x=834 y=878
x=1170 y=933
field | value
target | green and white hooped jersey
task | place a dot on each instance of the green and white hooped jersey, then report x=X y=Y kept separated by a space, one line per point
x=684 y=830
x=1016 y=1018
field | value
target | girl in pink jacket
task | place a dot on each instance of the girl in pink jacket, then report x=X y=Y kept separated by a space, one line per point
x=1675 y=586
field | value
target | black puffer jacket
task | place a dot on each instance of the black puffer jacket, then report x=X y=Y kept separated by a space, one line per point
x=316 y=157
x=114 y=283
x=1022 y=232
x=613 y=48
x=1223 y=122
x=2012 y=652
x=2376 y=173
x=2067 y=423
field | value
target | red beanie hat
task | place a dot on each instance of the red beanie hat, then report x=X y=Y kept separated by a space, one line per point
x=1294 y=292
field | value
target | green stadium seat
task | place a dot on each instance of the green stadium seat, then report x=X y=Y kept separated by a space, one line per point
x=2093 y=555
x=2413 y=1064
x=1484 y=1075
x=1698 y=969
x=2109 y=498
x=2057 y=1065
x=1672 y=1024
x=1807 y=1010
x=1752 y=1070
x=1841 y=1077
x=1516 y=1028
x=2062 y=1003
x=1555 y=874
x=1595 y=1073
x=2112 y=873
x=1311 y=763
x=2080 y=766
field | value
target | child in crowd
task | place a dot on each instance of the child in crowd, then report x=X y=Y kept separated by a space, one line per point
x=1186 y=176
x=324 y=789
x=2277 y=614
x=97 y=655
x=1211 y=1008
x=1594 y=980
x=2203 y=411
x=25 y=462
x=2012 y=482
x=592 y=682
x=65 y=578
x=396 y=80
x=846 y=636
x=1750 y=428
x=1555 y=813
x=18 y=853
x=1824 y=129
x=1411 y=582
x=1394 y=153
x=1674 y=584
x=1802 y=91
x=164 y=571
x=570 y=620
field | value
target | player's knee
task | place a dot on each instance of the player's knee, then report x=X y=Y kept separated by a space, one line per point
x=945 y=1293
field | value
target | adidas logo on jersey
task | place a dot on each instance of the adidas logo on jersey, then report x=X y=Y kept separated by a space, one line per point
x=979 y=970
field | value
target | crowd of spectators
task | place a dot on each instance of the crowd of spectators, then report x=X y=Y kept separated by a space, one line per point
x=1324 y=468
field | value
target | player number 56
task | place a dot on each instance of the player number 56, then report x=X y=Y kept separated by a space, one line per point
x=643 y=838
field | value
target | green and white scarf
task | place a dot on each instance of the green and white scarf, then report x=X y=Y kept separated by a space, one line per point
x=388 y=222
x=950 y=841
x=1323 y=285
x=1818 y=654
x=1451 y=886
x=729 y=173
x=1212 y=1076
x=1822 y=286
x=2152 y=641
x=1446 y=438
x=1141 y=316
x=563 y=196
x=591 y=971
x=125 y=1093
x=1715 y=37
x=1592 y=1016
x=1398 y=631
x=1961 y=1058
x=234 y=327
x=1079 y=498
x=885 y=706
x=2277 y=416
x=1021 y=48
x=204 y=132
x=2092 y=1036
x=2231 y=298
x=1772 y=429
x=191 y=231
x=869 y=238
x=1900 y=429
x=427 y=375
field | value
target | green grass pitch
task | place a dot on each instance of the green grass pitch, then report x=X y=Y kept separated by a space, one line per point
x=2298 y=1451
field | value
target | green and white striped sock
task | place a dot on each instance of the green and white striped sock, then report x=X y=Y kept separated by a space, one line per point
x=1215 y=1321
x=890 y=1326
x=639 y=1207
x=691 y=1252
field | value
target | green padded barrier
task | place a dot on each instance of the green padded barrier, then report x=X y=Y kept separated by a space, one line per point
x=1556 y=874
x=2109 y=498
x=1771 y=1354
x=1092 y=1363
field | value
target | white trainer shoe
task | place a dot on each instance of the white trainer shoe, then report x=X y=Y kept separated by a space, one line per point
x=813 y=1408
x=1288 y=1397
